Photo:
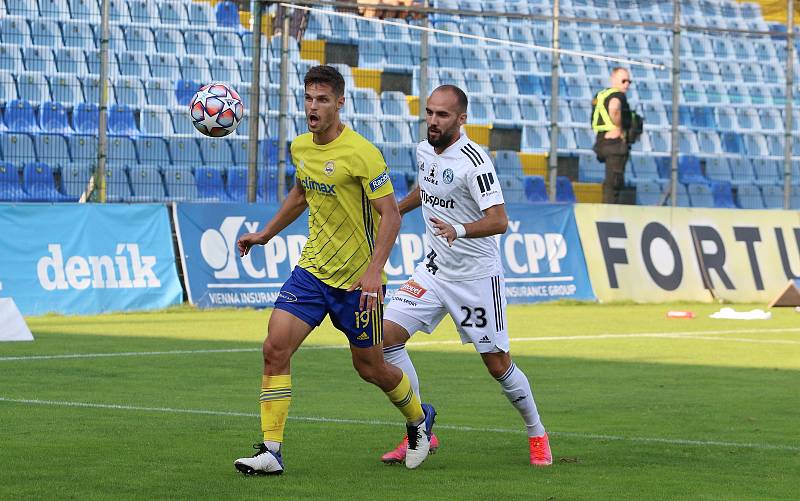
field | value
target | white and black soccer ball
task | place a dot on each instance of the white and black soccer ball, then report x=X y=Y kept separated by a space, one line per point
x=216 y=109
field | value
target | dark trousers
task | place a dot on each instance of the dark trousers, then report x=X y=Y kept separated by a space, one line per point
x=614 y=152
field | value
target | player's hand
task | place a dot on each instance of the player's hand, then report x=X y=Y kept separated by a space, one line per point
x=248 y=240
x=444 y=230
x=371 y=287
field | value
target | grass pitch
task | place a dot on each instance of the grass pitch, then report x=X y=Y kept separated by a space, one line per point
x=158 y=405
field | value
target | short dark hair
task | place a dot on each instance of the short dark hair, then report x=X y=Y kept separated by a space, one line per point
x=463 y=102
x=325 y=74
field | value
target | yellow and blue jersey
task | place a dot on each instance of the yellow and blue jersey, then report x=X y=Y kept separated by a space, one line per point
x=340 y=178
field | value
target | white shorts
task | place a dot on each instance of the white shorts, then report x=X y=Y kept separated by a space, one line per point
x=477 y=307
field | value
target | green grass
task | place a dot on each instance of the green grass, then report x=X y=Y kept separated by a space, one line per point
x=707 y=415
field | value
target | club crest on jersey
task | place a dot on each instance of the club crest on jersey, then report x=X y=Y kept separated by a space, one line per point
x=447 y=176
x=412 y=288
x=329 y=167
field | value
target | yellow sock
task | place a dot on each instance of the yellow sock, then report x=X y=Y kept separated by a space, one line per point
x=276 y=394
x=404 y=398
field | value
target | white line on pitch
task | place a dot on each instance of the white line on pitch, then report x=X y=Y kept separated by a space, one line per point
x=591 y=436
x=690 y=335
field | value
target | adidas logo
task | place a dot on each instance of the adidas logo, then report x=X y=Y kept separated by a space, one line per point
x=484 y=339
x=362 y=337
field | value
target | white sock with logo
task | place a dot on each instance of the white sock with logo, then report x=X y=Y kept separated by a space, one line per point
x=517 y=389
x=397 y=355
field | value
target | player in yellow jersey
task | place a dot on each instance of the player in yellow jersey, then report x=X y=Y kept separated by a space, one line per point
x=353 y=221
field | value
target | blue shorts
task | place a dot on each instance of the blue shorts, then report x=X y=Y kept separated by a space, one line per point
x=310 y=299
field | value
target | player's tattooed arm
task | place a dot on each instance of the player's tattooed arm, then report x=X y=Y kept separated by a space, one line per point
x=411 y=201
x=493 y=222
x=291 y=208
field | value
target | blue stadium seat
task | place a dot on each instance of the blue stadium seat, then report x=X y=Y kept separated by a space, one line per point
x=85 y=118
x=768 y=171
x=121 y=121
x=210 y=185
x=584 y=138
x=741 y=171
x=169 y=41
x=535 y=189
x=155 y=121
x=237 y=183
x=83 y=149
x=566 y=139
x=143 y=12
x=17 y=148
x=503 y=83
x=689 y=170
x=133 y=64
x=400 y=184
x=703 y=116
x=481 y=110
x=395 y=131
x=267 y=184
x=74 y=179
x=564 y=191
x=10 y=59
x=524 y=61
x=33 y=87
x=84 y=10
x=228 y=44
x=121 y=152
x=180 y=183
x=507 y=163
x=140 y=39
x=535 y=138
x=52 y=149
x=201 y=14
x=398 y=54
x=46 y=33
x=53 y=118
x=590 y=170
x=773 y=196
x=185 y=91
x=700 y=195
x=39 y=184
x=70 y=60
x=531 y=85
x=10 y=187
x=118 y=187
x=91 y=90
x=129 y=91
x=227 y=15
x=14 y=30
x=184 y=151
x=195 y=68
x=513 y=190
x=164 y=66
x=181 y=123
x=152 y=151
x=147 y=184
x=199 y=42
x=173 y=13
x=20 y=116
x=216 y=153
x=365 y=101
x=223 y=69
x=369 y=129
x=749 y=197
x=732 y=142
x=722 y=194
x=755 y=145
x=394 y=103
x=506 y=109
x=401 y=160
x=643 y=169
x=531 y=110
x=717 y=169
x=775 y=144
x=39 y=59
x=57 y=9
x=648 y=193
x=78 y=34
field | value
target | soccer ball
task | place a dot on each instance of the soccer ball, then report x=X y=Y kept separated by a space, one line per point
x=216 y=109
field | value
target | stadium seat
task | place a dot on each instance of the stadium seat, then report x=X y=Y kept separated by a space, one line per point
x=564 y=191
x=227 y=44
x=169 y=41
x=401 y=159
x=732 y=142
x=118 y=187
x=185 y=91
x=531 y=110
x=75 y=179
x=140 y=39
x=398 y=55
x=39 y=184
x=590 y=170
x=164 y=66
x=10 y=187
x=52 y=149
x=227 y=15
x=129 y=92
x=210 y=185
x=535 y=138
x=121 y=121
x=84 y=10
x=195 y=68
x=155 y=121
x=45 y=33
x=267 y=190
x=121 y=152
x=394 y=103
x=369 y=129
x=768 y=171
x=133 y=64
x=237 y=183
x=722 y=194
x=70 y=60
x=507 y=163
x=535 y=189
x=181 y=123
x=513 y=190
x=53 y=118
x=700 y=195
x=32 y=86
x=146 y=184
x=648 y=193
x=20 y=117
x=57 y=9
x=180 y=183
x=83 y=149
x=773 y=196
x=39 y=59
x=741 y=171
x=749 y=197
x=14 y=30
x=17 y=148
x=481 y=110
x=395 y=131
x=173 y=13
x=223 y=69
x=524 y=61
x=717 y=169
x=10 y=59
x=643 y=169
x=77 y=34
x=151 y=151
x=184 y=151
x=216 y=153
x=199 y=42
x=400 y=184
x=689 y=170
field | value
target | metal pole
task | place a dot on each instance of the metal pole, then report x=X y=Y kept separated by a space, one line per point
x=423 y=76
x=676 y=90
x=255 y=105
x=283 y=114
x=102 y=142
x=787 y=126
x=553 y=156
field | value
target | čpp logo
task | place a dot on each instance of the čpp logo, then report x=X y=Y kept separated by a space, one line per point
x=219 y=250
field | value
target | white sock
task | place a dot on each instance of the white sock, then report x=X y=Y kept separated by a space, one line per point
x=518 y=391
x=397 y=355
x=273 y=446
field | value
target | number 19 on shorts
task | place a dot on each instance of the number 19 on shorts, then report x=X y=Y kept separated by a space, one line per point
x=362 y=319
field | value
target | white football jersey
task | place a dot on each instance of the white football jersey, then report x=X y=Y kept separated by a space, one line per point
x=456 y=187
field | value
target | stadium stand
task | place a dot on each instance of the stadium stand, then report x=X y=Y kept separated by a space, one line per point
x=730 y=118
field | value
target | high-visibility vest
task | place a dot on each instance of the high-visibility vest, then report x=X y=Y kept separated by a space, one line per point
x=601 y=112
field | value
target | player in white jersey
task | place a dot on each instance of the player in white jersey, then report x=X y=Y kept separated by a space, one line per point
x=462 y=273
